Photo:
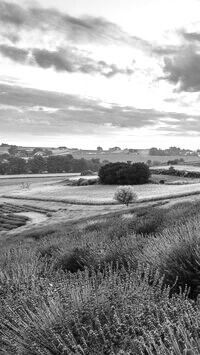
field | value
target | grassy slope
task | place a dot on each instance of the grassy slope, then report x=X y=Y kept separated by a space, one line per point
x=115 y=305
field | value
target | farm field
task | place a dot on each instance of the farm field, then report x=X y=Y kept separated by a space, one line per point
x=41 y=176
x=173 y=180
x=13 y=216
x=70 y=203
x=178 y=167
x=123 y=157
x=101 y=193
x=10 y=183
x=61 y=214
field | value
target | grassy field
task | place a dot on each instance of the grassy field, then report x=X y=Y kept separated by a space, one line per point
x=10 y=183
x=123 y=157
x=40 y=176
x=101 y=193
x=179 y=167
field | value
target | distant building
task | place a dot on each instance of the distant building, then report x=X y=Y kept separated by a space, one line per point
x=40 y=153
x=115 y=149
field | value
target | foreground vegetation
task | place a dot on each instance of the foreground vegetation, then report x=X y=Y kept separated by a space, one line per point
x=118 y=285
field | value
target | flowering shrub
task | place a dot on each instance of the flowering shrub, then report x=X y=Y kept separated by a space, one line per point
x=125 y=194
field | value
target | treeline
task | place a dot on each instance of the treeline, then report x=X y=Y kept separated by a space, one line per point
x=174 y=172
x=172 y=151
x=51 y=164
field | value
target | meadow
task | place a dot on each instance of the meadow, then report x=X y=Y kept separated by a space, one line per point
x=108 y=285
x=10 y=183
x=103 y=194
x=135 y=158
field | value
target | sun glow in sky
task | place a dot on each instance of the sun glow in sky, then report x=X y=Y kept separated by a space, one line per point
x=83 y=73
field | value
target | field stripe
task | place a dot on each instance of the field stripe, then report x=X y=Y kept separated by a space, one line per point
x=106 y=203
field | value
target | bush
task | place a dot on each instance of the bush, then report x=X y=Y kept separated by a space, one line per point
x=124 y=174
x=176 y=254
x=162 y=181
x=149 y=221
x=174 y=172
x=125 y=195
x=77 y=259
x=87 y=172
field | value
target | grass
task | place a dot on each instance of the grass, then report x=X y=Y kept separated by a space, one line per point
x=179 y=167
x=102 y=194
x=123 y=157
x=14 y=183
x=112 y=285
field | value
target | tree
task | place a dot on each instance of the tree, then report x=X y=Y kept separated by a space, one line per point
x=108 y=173
x=13 y=150
x=125 y=195
x=36 y=150
x=124 y=174
x=37 y=164
x=16 y=165
x=156 y=152
x=48 y=151
x=99 y=149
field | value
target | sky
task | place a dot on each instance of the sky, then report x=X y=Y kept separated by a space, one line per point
x=88 y=73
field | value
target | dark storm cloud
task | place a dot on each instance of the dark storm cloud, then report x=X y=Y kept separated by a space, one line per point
x=35 y=111
x=78 y=30
x=69 y=60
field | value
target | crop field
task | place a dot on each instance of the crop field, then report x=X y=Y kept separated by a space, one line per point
x=123 y=157
x=11 y=215
x=102 y=193
x=10 y=221
x=108 y=285
x=47 y=200
x=10 y=183
x=179 y=167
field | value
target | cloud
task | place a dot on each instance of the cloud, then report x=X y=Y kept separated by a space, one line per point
x=39 y=112
x=74 y=62
x=63 y=60
x=14 y=53
x=165 y=50
x=86 y=29
x=190 y=36
x=12 y=13
x=184 y=69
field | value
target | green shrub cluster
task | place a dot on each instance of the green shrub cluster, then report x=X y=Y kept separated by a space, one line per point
x=124 y=174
